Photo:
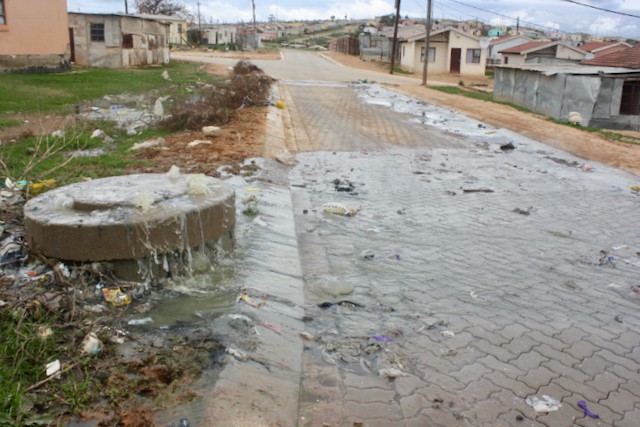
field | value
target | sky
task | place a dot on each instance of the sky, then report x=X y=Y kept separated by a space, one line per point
x=548 y=14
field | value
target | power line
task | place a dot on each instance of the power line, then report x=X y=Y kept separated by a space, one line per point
x=602 y=8
x=508 y=17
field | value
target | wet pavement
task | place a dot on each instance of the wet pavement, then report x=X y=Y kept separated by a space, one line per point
x=474 y=276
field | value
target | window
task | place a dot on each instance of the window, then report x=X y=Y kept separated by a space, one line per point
x=506 y=60
x=630 y=102
x=97 y=32
x=432 y=54
x=3 y=19
x=473 y=56
x=180 y=28
x=127 y=41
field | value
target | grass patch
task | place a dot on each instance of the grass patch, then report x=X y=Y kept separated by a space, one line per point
x=9 y=123
x=58 y=92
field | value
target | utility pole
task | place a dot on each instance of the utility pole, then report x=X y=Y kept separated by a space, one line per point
x=255 y=29
x=395 y=38
x=126 y=7
x=425 y=66
x=199 y=25
x=518 y=26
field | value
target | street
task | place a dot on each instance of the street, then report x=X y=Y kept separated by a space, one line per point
x=475 y=278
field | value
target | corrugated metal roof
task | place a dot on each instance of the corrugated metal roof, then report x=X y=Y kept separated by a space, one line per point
x=551 y=70
x=629 y=58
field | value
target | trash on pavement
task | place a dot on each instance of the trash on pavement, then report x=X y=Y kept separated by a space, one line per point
x=391 y=373
x=477 y=190
x=343 y=186
x=448 y=334
x=244 y=297
x=91 y=345
x=547 y=404
x=508 y=147
x=52 y=367
x=343 y=303
x=240 y=355
x=339 y=209
x=381 y=338
x=116 y=297
x=367 y=255
x=583 y=405
x=285 y=157
x=271 y=326
x=280 y=105
x=523 y=211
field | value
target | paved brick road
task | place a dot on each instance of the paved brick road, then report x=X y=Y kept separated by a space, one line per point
x=485 y=306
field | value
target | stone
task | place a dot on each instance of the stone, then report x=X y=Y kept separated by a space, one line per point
x=211 y=130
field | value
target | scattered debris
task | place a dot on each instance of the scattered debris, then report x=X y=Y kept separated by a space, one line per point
x=165 y=75
x=583 y=405
x=343 y=303
x=238 y=354
x=244 y=297
x=148 y=144
x=523 y=211
x=211 y=130
x=197 y=142
x=343 y=186
x=58 y=134
x=563 y=161
x=53 y=367
x=448 y=351
x=391 y=373
x=508 y=147
x=448 y=334
x=143 y=321
x=91 y=345
x=116 y=297
x=285 y=157
x=339 y=209
x=367 y=255
x=575 y=118
x=280 y=105
x=586 y=168
x=381 y=338
x=477 y=190
x=547 y=404
x=618 y=318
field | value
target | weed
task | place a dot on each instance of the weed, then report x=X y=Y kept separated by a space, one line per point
x=8 y=123
x=249 y=86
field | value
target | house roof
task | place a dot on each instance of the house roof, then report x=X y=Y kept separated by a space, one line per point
x=553 y=69
x=507 y=38
x=628 y=58
x=444 y=30
x=527 y=48
x=595 y=46
x=122 y=15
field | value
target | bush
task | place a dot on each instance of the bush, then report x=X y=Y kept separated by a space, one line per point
x=249 y=86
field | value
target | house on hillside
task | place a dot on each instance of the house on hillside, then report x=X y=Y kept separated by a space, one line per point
x=504 y=43
x=606 y=97
x=543 y=52
x=604 y=48
x=117 y=40
x=450 y=51
x=34 y=35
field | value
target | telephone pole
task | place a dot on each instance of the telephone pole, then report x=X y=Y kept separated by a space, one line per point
x=425 y=66
x=395 y=38
x=255 y=29
x=126 y=7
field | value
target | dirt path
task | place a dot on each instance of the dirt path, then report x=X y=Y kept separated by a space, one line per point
x=587 y=145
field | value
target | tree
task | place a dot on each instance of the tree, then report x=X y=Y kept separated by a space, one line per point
x=388 y=20
x=161 y=7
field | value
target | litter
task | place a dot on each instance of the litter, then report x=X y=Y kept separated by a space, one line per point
x=280 y=105
x=240 y=317
x=53 y=367
x=381 y=338
x=116 y=297
x=523 y=211
x=271 y=326
x=343 y=302
x=91 y=345
x=583 y=405
x=40 y=187
x=547 y=404
x=477 y=190
x=240 y=355
x=143 y=321
x=343 y=186
x=367 y=255
x=244 y=297
x=339 y=209
x=508 y=147
x=391 y=373
x=448 y=334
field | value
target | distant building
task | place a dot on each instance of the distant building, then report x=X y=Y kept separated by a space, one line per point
x=543 y=53
x=604 y=48
x=177 y=26
x=219 y=34
x=503 y=43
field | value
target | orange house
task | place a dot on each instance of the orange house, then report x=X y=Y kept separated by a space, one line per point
x=34 y=35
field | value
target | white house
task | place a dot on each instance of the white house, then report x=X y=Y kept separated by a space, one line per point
x=450 y=51
x=502 y=43
x=543 y=53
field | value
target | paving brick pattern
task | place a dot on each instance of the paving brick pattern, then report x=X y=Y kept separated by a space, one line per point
x=538 y=304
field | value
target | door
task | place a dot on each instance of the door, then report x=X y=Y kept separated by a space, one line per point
x=456 y=53
x=72 y=46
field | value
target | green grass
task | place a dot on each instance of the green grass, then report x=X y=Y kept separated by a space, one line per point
x=9 y=123
x=58 y=92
